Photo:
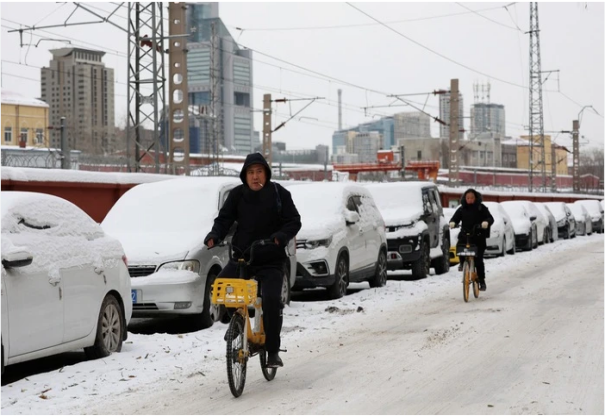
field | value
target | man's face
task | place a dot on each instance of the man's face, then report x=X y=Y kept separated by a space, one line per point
x=470 y=198
x=256 y=176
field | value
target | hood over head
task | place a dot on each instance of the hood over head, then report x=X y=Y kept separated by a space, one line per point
x=254 y=159
x=478 y=198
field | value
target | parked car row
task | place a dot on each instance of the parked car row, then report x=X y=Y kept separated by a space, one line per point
x=70 y=283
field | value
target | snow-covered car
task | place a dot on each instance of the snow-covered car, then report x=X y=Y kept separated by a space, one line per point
x=448 y=213
x=595 y=210
x=162 y=226
x=526 y=233
x=418 y=235
x=583 y=219
x=502 y=235
x=542 y=223
x=342 y=239
x=65 y=283
x=566 y=222
x=554 y=235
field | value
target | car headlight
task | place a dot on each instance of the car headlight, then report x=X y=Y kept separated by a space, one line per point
x=311 y=244
x=190 y=265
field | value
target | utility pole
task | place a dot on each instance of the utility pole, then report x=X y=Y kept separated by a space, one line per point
x=454 y=167
x=216 y=97
x=267 y=153
x=339 y=110
x=576 y=155
x=553 y=167
x=178 y=132
x=65 y=150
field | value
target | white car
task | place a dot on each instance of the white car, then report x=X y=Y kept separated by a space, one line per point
x=418 y=236
x=542 y=222
x=65 y=284
x=595 y=210
x=554 y=234
x=342 y=239
x=502 y=235
x=526 y=233
x=566 y=222
x=583 y=219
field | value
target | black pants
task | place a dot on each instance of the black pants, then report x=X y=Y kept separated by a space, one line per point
x=479 y=263
x=270 y=279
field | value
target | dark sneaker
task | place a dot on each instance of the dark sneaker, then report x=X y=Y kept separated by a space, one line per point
x=273 y=361
x=460 y=266
x=482 y=286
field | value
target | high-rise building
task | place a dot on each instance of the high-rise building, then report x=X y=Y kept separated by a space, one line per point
x=412 y=125
x=384 y=126
x=79 y=87
x=487 y=118
x=444 y=114
x=227 y=70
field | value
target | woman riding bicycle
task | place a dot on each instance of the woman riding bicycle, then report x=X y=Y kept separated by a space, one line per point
x=473 y=213
x=263 y=210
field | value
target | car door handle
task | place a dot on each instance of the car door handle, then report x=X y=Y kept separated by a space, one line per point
x=54 y=280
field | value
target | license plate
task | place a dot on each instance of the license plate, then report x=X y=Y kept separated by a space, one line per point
x=134 y=296
x=466 y=253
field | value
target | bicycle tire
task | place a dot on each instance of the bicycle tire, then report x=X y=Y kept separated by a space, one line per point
x=269 y=373
x=466 y=280
x=475 y=281
x=236 y=366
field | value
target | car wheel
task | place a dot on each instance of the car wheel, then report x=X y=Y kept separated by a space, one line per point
x=442 y=264
x=545 y=237
x=380 y=276
x=285 y=287
x=530 y=241
x=210 y=313
x=567 y=236
x=514 y=249
x=339 y=287
x=535 y=234
x=421 y=267
x=503 y=252
x=110 y=329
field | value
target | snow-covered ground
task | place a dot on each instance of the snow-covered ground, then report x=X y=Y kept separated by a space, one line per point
x=533 y=343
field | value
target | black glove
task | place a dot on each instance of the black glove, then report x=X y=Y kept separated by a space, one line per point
x=282 y=238
x=211 y=236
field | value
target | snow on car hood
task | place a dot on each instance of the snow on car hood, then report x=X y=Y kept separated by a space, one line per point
x=155 y=247
x=400 y=216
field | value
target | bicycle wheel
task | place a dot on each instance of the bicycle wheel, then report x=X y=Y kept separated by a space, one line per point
x=236 y=362
x=269 y=373
x=466 y=280
x=475 y=281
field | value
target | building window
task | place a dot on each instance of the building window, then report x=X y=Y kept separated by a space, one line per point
x=39 y=136
x=23 y=137
x=420 y=155
x=8 y=134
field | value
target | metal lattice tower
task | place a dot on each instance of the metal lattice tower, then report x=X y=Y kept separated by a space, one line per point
x=536 y=115
x=146 y=83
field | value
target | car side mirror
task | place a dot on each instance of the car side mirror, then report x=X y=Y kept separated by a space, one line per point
x=351 y=217
x=533 y=218
x=19 y=258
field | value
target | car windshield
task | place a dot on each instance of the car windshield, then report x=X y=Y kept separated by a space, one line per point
x=163 y=207
x=317 y=201
x=577 y=211
x=515 y=209
x=393 y=196
x=557 y=210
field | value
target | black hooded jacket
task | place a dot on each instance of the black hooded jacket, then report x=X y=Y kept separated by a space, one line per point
x=259 y=216
x=472 y=215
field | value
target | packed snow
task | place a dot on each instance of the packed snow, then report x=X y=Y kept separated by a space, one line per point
x=159 y=366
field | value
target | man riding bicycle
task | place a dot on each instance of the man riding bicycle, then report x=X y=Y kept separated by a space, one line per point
x=472 y=214
x=263 y=210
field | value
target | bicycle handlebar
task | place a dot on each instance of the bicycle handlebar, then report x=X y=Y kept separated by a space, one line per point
x=250 y=249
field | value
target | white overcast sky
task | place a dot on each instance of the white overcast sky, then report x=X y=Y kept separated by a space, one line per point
x=486 y=40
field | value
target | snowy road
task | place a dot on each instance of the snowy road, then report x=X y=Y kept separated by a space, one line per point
x=531 y=344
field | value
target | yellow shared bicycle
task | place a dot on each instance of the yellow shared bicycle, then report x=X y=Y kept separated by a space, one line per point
x=467 y=252
x=245 y=338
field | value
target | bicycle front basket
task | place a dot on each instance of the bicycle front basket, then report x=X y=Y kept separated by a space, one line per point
x=234 y=293
x=464 y=251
